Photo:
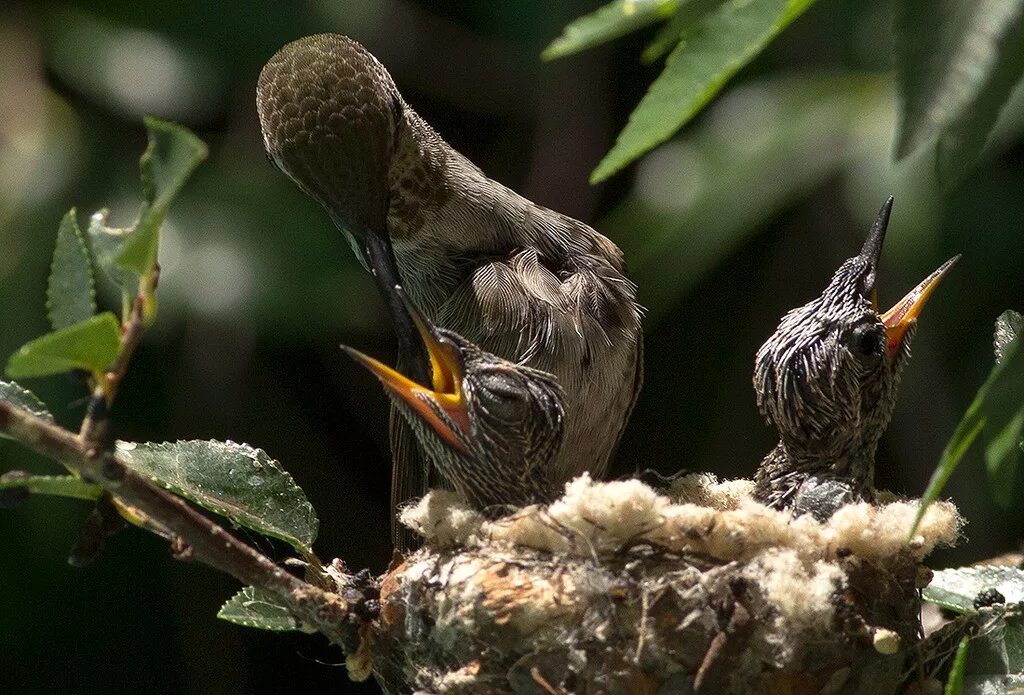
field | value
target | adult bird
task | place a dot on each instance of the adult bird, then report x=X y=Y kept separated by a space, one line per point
x=827 y=379
x=523 y=282
x=490 y=426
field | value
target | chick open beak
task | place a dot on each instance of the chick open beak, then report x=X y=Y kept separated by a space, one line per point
x=904 y=314
x=445 y=392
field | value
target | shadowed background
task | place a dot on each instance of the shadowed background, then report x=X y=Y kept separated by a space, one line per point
x=742 y=216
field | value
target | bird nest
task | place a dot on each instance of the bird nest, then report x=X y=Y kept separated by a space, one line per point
x=621 y=588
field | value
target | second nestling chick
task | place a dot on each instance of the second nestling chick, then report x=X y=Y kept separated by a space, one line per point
x=490 y=426
x=827 y=380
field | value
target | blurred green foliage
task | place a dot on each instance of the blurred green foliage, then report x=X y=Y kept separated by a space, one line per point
x=741 y=216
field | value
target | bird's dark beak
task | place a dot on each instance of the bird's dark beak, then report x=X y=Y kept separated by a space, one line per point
x=444 y=393
x=872 y=251
x=904 y=314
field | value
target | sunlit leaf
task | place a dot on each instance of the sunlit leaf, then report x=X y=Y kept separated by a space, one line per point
x=615 y=19
x=21 y=397
x=1004 y=428
x=1009 y=326
x=172 y=155
x=956 y=63
x=956 y=589
x=998 y=409
x=235 y=480
x=70 y=292
x=253 y=607
x=725 y=40
x=56 y=485
x=90 y=345
x=955 y=684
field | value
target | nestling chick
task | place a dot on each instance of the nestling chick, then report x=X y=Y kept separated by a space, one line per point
x=827 y=379
x=489 y=426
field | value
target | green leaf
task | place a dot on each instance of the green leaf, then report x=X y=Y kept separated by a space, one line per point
x=998 y=408
x=676 y=29
x=1004 y=428
x=801 y=131
x=955 y=684
x=107 y=243
x=70 y=292
x=90 y=345
x=725 y=40
x=615 y=19
x=252 y=607
x=995 y=663
x=57 y=485
x=1009 y=326
x=172 y=155
x=955 y=589
x=234 y=480
x=21 y=397
x=956 y=63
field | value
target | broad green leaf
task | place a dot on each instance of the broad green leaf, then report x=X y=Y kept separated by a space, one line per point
x=234 y=480
x=57 y=485
x=668 y=36
x=252 y=607
x=23 y=398
x=725 y=40
x=615 y=19
x=90 y=345
x=773 y=141
x=171 y=157
x=956 y=63
x=955 y=684
x=70 y=292
x=997 y=409
x=676 y=29
x=956 y=589
x=1009 y=326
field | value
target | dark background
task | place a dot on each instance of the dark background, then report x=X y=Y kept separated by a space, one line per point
x=742 y=216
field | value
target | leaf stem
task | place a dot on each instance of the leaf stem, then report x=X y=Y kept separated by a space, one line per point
x=95 y=425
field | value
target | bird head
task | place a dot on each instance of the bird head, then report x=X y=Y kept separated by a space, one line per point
x=827 y=377
x=478 y=410
x=328 y=111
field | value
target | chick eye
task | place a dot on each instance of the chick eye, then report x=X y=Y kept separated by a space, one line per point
x=501 y=399
x=865 y=341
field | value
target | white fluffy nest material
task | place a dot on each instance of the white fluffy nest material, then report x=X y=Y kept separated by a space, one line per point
x=697 y=515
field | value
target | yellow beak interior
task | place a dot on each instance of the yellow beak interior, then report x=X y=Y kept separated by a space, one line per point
x=904 y=313
x=445 y=390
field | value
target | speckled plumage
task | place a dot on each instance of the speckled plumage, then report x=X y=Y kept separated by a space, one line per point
x=515 y=430
x=827 y=381
x=523 y=282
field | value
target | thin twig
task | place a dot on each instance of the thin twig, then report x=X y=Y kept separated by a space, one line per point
x=208 y=542
x=94 y=427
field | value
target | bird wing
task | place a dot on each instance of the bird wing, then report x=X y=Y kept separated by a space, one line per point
x=409 y=477
x=638 y=383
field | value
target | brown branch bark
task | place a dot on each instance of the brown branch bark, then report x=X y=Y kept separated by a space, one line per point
x=206 y=541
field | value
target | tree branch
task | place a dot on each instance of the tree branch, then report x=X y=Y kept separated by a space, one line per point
x=94 y=426
x=207 y=541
